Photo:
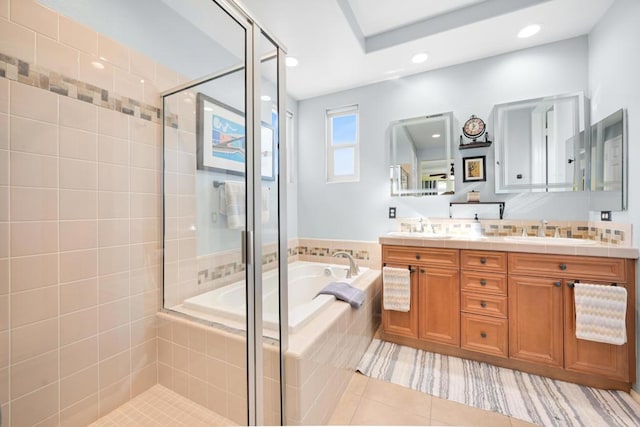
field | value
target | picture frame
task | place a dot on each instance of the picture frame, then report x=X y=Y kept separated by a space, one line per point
x=474 y=169
x=221 y=140
x=220 y=137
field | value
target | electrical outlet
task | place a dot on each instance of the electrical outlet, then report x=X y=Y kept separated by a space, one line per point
x=392 y=213
x=605 y=215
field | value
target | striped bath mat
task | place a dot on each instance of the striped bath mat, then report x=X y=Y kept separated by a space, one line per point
x=532 y=398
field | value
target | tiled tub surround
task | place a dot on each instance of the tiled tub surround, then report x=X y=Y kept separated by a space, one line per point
x=207 y=363
x=618 y=234
x=80 y=217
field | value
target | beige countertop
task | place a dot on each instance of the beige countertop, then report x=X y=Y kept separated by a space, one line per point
x=503 y=244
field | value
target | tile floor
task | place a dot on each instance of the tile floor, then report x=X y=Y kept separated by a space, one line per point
x=161 y=407
x=368 y=401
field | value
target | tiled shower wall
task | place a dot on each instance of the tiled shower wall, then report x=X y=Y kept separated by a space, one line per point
x=80 y=219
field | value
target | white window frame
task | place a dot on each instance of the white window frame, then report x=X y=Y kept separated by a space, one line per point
x=330 y=148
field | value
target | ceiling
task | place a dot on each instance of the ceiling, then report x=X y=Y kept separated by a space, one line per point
x=341 y=44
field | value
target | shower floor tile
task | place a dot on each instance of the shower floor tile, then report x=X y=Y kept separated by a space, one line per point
x=161 y=407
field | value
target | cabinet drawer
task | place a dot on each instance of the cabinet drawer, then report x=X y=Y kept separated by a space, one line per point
x=484 y=334
x=484 y=260
x=571 y=267
x=483 y=282
x=420 y=256
x=484 y=304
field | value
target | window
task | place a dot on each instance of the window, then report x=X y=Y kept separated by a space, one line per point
x=343 y=150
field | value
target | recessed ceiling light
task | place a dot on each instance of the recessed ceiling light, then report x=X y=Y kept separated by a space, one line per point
x=435 y=135
x=141 y=80
x=291 y=61
x=265 y=98
x=529 y=31
x=419 y=58
x=98 y=65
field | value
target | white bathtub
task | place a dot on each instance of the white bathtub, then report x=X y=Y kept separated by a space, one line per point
x=306 y=279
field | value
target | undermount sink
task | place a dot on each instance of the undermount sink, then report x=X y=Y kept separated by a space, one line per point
x=419 y=235
x=549 y=240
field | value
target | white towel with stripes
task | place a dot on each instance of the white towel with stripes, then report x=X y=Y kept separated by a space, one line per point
x=601 y=313
x=232 y=204
x=396 y=289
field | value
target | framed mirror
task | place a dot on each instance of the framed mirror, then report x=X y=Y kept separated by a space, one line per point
x=540 y=145
x=608 y=166
x=422 y=156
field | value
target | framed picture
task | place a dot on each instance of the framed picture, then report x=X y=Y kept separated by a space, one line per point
x=221 y=139
x=474 y=169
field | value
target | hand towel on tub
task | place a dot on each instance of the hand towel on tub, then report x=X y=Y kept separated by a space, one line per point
x=601 y=313
x=235 y=202
x=344 y=292
x=396 y=289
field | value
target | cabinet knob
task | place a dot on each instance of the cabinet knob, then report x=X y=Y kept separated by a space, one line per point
x=483 y=282
x=563 y=267
x=483 y=304
x=483 y=260
x=413 y=270
x=422 y=270
x=557 y=284
x=417 y=256
x=483 y=334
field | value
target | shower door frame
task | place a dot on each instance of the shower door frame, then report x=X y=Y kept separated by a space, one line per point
x=252 y=241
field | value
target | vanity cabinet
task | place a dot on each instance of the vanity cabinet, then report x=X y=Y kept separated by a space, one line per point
x=402 y=323
x=434 y=313
x=484 y=309
x=535 y=325
x=511 y=309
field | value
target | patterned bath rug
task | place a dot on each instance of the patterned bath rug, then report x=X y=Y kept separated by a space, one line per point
x=531 y=398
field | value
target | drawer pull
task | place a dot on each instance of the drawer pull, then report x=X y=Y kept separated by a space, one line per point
x=413 y=270
x=483 y=334
x=483 y=304
x=563 y=267
x=483 y=260
x=557 y=284
x=483 y=282
x=417 y=256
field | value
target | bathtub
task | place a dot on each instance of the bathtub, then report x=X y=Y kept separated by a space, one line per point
x=306 y=279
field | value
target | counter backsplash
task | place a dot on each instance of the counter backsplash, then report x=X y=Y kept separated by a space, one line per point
x=605 y=232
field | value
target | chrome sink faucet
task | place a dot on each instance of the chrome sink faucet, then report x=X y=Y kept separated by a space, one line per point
x=354 y=270
x=541 y=227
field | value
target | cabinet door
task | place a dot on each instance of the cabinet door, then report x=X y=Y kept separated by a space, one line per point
x=535 y=320
x=400 y=322
x=439 y=305
x=591 y=357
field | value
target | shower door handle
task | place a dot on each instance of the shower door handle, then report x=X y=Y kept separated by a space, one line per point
x=246 y=242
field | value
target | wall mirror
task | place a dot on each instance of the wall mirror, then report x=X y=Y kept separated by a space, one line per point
x=608 y=166
x=422 y=156
x=540 y=145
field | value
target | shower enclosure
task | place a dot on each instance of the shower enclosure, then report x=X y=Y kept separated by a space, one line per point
x=224 y=211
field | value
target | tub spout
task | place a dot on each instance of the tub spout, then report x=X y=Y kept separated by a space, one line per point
x=353 y=266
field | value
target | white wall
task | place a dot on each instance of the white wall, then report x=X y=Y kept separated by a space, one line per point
x=613 y=84
x=359 y=210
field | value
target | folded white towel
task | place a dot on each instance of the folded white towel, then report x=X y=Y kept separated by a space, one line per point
x=235 y=204
x=396 y=289
x=601 y=313
x=232 y=203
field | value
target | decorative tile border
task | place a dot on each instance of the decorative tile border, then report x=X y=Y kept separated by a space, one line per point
x=604 y=232
x=43 y=78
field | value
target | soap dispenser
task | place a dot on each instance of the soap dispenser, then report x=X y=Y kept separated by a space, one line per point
x=476 y=227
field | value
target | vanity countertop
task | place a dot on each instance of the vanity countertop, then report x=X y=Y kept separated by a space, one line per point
x=504 y=244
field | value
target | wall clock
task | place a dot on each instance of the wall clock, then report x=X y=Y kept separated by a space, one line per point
x=474 y=128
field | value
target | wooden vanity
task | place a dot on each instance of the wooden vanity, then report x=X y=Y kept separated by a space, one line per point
x=509 y=308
